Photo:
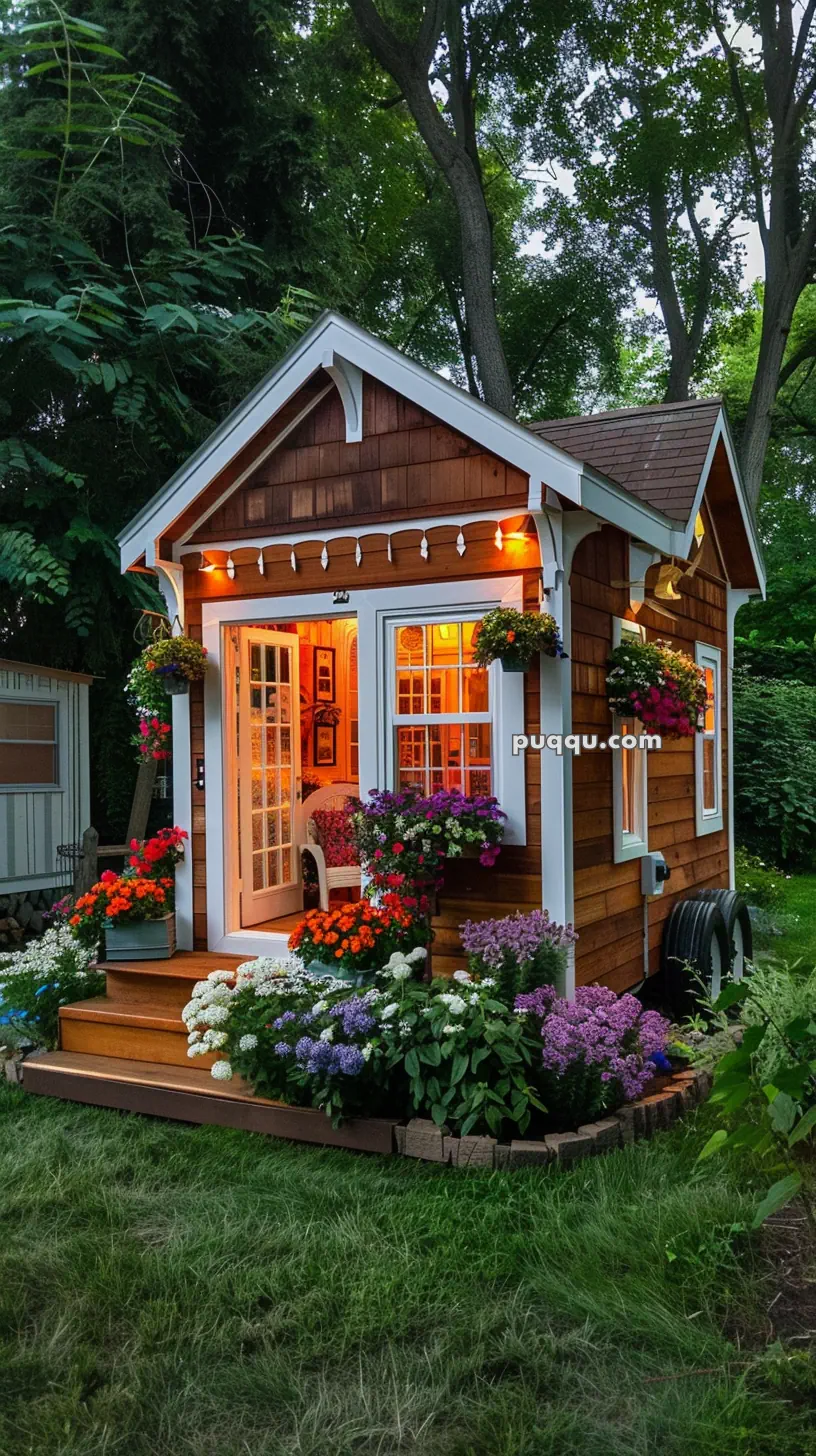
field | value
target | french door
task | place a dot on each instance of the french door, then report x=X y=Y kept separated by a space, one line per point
x=269 y=769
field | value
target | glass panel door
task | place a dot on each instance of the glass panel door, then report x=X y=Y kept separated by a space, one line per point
x=269 y=759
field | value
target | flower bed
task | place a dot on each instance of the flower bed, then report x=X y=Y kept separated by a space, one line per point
x=452 y=1051
x=521 y=951
x=355 y=937
x=662 y=687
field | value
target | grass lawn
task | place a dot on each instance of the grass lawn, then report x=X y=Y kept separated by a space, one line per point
x=799 y=939
x=202 y=1292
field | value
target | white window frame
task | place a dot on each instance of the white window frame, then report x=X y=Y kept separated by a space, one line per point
x=434 y=720
x=56 y=786
x=376 y=609
x=627 y=845
x=708 y=821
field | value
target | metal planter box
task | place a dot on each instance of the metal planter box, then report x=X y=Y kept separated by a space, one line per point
x=143 y=940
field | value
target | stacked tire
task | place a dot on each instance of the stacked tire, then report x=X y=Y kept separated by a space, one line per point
x=706 y=938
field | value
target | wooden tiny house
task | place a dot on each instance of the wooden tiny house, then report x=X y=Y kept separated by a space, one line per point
x=332 y=545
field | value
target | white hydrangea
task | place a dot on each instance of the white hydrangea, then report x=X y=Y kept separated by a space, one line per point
x=200 y=989
x=367 y=1050
x=248 y=1043
x=419 y=953
x=327 y=1034
x=222 y=1071
x=463 y=977
x=214 y=1015
x=319 y=1006
x=199 y=1050
x=405 y=1028
x=487 y=982
x=214 y=1040
x=474 y=999
x=401 y=973
x=41 y=958
x=388 y=1011
x=455 y=1004
x=451 y=1028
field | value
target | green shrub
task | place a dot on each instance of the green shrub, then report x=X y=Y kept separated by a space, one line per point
x=760 y=883
x=775 y=769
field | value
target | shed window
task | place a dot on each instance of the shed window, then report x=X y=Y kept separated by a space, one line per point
x=28 y=743
x=708 y=746
x=442 y=710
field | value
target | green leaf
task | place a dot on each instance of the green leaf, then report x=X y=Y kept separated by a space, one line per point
x=731 y=994
x=439 y=1113
x=803 y=1127
x=431 y=1054
x=777 y=1197
x=412 y=1063
x=782 y=1112
x=714 y=1144
x=459 y=1066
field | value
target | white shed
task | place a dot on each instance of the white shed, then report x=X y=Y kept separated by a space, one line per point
x=45 y=796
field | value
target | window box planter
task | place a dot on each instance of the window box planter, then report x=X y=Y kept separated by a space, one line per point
x=340 y=973
x=141 y=940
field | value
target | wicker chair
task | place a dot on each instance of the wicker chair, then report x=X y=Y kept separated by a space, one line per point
x=329 y=877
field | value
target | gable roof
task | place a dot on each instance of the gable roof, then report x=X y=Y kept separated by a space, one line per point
x=643 y=469
x=347 y=352
x=657 y=452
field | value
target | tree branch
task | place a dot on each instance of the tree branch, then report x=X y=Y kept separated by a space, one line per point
x=745 y=121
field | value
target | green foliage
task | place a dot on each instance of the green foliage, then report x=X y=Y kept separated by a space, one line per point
x=757 y=881
x=765 y=1088
x=775 y=768
x=790 y=660
x=176 y=657
x=508 y=635
x=145 y=690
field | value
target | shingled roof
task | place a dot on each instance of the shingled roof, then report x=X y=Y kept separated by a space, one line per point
x=656 y=451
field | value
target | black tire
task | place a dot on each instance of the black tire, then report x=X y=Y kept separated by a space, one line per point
x=738 y=924
x=696 y=936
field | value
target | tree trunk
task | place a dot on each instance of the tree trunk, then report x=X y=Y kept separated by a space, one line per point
x=408 y=65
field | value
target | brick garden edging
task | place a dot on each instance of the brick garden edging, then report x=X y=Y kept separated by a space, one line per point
x=675 y=1094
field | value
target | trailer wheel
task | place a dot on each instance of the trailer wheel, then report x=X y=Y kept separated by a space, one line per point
x=738 y=924
x=696 y=936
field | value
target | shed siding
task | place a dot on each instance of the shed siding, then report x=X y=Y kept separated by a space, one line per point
x=33 y=822
x=609 y=908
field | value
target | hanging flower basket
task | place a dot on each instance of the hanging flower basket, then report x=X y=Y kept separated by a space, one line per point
x=514 y=638
x=662 y=687
x=176 y=662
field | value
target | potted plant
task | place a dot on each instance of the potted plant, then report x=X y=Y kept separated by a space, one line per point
x=404 y=838
x=352 y=942
x=176 y=662
x=514 y=638
x=662 y=687
x=134 y=913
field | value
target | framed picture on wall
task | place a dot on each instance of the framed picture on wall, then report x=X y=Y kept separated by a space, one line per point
x=324 y=685
x=325 y=745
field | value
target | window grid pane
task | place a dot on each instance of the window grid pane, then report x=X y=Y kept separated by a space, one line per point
x=435 y=677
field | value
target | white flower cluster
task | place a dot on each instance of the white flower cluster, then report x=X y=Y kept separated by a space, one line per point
x=41 y=958
x=398 y=967
x=206 y=1015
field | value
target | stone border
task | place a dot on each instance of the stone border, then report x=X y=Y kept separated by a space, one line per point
x=676 y=1094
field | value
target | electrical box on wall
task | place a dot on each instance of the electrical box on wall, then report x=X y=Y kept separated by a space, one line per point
x=654 y=873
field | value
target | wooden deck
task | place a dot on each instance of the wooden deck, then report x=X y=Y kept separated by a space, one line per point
x=128 y=1050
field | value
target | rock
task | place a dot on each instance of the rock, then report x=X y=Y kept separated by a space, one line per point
x=632 y=1120
x=24 y=912
x=36 y=924
x=604 y=1134
x=474 y=1152
x=423 y=1139
x=567 y=1146
x=524 y=1152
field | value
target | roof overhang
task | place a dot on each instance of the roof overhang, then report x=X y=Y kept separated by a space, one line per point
x=347 y=352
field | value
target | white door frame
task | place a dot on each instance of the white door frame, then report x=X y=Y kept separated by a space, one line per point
x=372 y=608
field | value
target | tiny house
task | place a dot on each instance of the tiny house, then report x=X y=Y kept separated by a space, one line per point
x=333 y=545
x=44 y=772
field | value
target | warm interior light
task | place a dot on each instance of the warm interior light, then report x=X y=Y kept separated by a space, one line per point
x=206 y=565
x=444 y=631
x=524 y=531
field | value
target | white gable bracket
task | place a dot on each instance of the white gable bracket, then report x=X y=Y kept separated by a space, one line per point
x=349 y=381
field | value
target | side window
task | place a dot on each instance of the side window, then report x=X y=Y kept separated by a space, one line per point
x=708 y=745
x=28 y=744
x=630 y=807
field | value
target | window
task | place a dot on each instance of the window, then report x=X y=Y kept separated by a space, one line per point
x=28 y=744
x=708 y=745
x=630 y=810
x=442 y=709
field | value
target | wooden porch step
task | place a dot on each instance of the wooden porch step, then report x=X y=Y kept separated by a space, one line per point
x=163 y=984
x=105 y=1027
x=190 y=1094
